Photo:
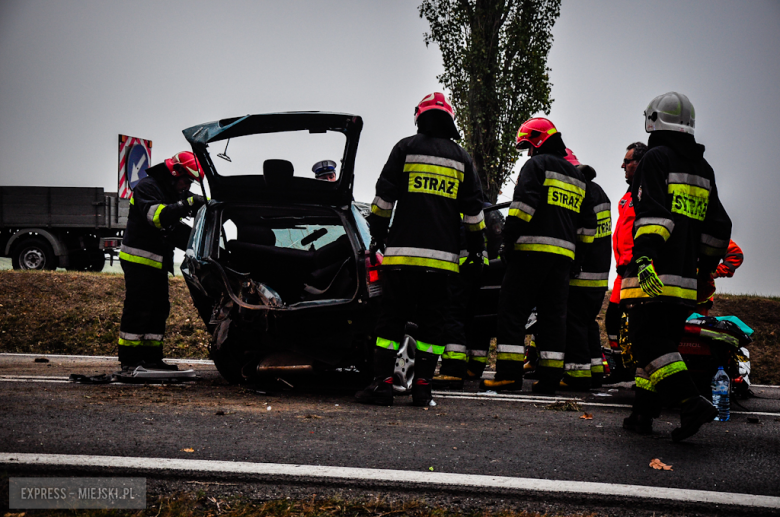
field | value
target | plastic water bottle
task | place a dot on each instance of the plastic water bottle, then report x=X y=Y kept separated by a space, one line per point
x=721 y=385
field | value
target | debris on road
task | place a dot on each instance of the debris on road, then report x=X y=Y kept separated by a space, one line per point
x=659 y=465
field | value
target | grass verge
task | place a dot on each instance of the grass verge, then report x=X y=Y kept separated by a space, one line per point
x=79 y=313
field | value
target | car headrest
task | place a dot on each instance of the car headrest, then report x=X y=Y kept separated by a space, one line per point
x=277 y=173
x=256 y=235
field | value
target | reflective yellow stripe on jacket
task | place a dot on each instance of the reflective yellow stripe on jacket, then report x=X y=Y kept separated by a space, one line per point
x=421 y=257
x=140 y=256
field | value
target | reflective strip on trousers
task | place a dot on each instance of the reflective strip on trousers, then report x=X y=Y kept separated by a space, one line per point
x=664 y=366
x=642 y=381
x=597 y=365
x=510 y=353
x=387 y=343
x=140 y=337
x=552 y=359
x=478 y=356
x=455 y=352
x=577 y=370
x=428 y=347
x=140 y=256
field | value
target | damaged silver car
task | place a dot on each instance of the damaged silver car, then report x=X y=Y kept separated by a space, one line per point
x=277 y=262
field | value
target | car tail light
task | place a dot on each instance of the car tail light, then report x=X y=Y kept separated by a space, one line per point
x=373 y=276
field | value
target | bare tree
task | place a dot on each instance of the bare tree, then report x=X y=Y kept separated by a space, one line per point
x=495 y=68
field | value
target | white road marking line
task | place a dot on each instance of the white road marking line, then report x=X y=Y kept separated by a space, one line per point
x=529 y=399
x=399 y=476
x=5 y=379
x=551 y=400
x=487 y=374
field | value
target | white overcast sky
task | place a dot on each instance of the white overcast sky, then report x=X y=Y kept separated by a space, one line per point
x=76 y=73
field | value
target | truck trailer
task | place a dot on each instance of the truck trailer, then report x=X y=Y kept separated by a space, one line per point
x=73 y=228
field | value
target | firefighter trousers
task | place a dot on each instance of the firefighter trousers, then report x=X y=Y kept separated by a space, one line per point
x=541 y=280
x=145 y=312
x=419 y=297
x=463 y=351
x=662 y=378
x=583 y=364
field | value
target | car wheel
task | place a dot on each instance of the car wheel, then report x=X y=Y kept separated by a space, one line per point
x=33 y=253
x=229 y=353
x=403 y=376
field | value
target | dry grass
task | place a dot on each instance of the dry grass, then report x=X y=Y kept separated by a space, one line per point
x=79 y=313
x=200 y=504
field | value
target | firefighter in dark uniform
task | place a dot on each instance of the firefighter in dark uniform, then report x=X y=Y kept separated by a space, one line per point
x=550 y=213
x=466 y=350
x=680 y=234
x=430 y=180
x=583 y=364
x=154 y=227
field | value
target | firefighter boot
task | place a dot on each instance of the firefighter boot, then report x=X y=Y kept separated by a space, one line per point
x=571 y=383
x=380 y=391
x=502 y=384
x=638 y=423
x=421 y=393
x=451 y=375
x=695 y=412
x=544 y=387
x=448 y=382
x=424 y=366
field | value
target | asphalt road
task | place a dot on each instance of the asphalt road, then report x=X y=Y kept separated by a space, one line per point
x=318 y=424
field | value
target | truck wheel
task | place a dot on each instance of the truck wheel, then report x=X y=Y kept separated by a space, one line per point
x=97 y=261
x=33 y=253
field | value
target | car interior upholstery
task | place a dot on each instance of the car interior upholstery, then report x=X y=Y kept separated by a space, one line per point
x=296 y=274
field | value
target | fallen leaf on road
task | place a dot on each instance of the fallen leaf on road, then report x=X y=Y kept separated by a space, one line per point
x=659 y=465
x=587 y=416
x=188 y=450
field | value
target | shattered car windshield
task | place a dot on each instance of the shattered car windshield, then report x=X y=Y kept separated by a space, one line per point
x=243 y=156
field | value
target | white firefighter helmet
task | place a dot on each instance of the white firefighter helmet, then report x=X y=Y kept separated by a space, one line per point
x=670 y=112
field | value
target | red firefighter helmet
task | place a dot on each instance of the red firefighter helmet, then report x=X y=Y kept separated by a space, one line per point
x=571 y=158
x=184 y=164
x=434 y=101
x=534 y=132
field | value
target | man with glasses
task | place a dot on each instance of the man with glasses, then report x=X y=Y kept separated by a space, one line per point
x=622 y=246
